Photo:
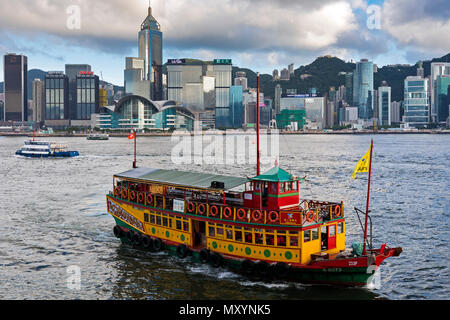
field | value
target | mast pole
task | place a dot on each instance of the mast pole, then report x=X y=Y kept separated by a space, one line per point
x=135 y=149
x=368 y=198
x=258 y=168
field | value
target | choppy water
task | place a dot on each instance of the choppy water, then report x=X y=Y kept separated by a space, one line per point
x=53 y=216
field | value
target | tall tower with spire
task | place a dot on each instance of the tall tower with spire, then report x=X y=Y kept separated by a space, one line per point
x=150 y=50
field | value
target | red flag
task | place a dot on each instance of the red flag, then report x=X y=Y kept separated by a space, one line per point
x=132 y=136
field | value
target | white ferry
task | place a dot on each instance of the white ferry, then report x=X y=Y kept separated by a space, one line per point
x=44 y=149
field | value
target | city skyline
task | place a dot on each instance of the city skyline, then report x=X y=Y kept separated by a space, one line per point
x=259 y=41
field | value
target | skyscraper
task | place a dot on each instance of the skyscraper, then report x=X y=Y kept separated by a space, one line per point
x=291 y=69
x=56 y=96
x=363 y=88
x=417 y=107
x=222 y=73
x=151 y=51
x=87 y=95
x=285 y=75
x=277 y=100
x=38 y=101
x=241 y=80
x=437 y=69
x=384 y=105
x=442 y=98
x=72 y=71
x=16 y=96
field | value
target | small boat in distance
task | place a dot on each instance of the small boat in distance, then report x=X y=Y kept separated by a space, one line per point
x=45 y=149
x=98 y=136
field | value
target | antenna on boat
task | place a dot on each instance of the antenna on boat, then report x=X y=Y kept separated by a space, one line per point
x=258 y=164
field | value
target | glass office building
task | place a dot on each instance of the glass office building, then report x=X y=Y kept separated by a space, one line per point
x=87 y=95
x=363 y=88
x=151 y=51
x=417 y=102
x=56 y=96
x=15 y=87
x=223 y=81
x=443 y=98
x=384 y=105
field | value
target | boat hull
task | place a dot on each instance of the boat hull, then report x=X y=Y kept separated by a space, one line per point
x=68 y=154
x=316 y=273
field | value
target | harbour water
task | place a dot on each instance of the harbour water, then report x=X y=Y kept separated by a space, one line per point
x=53 y=220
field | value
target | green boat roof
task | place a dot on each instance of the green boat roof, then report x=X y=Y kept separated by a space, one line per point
x=275 y=174
x=191 y=179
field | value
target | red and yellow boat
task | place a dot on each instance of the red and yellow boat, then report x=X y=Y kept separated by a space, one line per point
x=257 y=226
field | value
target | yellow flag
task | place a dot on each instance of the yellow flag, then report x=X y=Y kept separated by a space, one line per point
x=363 y=164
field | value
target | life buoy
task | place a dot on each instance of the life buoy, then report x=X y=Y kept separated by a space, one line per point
x=149 y=199
x=201 y=209
x=227 y=212
x=157 y=244
x=241 y=214
x=310 y=216
x=136 y=239
x=274 y=216
x=191 y=207
x=132 y=195
x=214 y=211
x=337 y=211
x=257 y=216
x=141 y=197
x=124 y=194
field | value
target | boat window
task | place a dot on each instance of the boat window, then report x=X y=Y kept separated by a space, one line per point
x=332 y=230
x=186 y=226
x=273 y=188
x=229 y=233
x=257 y=186
x=282 y=187
x=294 y=186
x=238 y=234
x=158 y=220
x=165 y=222
x=248 y=236
x=259 y=238
x=178 y=225
x=269 y=239
x=315 y=234
x=307 y=236
x=211 y=230
x=288 y=186
x=293 y=239
x=145 y=217
x=219 y=231
x=281 y=238
x=152 y=219
x=340 y=228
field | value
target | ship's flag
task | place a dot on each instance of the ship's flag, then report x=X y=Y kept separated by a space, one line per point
x=363 y=164
x=132 y=136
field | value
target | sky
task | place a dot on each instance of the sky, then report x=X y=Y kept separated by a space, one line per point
x=261 y=35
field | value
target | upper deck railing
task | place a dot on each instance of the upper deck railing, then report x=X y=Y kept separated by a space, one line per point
x=307 y=213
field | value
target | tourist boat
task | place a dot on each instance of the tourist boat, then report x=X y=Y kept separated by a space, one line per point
x=98 y=136
x=44 y=149
x=256 y=226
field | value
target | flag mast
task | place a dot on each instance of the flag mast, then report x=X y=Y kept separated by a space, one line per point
x=368 y=198
x=258 y=165
x=135 y=149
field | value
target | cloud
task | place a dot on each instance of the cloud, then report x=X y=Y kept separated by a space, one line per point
x=420 y=25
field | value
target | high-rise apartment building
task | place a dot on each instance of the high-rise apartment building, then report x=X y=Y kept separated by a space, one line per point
x=15 y=69
x=241 y=80
x=363 y=94
x=285 y=75
x=277 y=99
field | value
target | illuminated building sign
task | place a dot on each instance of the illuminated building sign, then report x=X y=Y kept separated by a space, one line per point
x=86 y=73
x=223 y=61
x=176 y=61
